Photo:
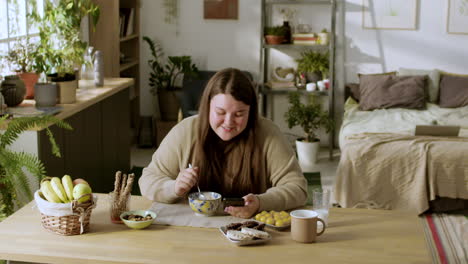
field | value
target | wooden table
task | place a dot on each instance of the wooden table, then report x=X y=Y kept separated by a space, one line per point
x=353 y=236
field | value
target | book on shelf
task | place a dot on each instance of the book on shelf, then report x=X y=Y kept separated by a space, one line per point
x=126 y=20
x=305 y=38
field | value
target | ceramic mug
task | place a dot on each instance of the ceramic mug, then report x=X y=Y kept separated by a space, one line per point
x=304 y=226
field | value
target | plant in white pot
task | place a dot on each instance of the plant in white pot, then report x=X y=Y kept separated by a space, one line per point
x=310 y=117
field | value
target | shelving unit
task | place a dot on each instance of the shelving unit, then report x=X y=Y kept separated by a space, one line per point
x=266 y=92
x=108 y=38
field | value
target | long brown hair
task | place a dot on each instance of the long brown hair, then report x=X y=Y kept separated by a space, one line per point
x=231 y=168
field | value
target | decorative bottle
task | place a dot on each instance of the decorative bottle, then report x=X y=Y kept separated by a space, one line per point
x=87 y=70
x=98 y=69
x=287 y=32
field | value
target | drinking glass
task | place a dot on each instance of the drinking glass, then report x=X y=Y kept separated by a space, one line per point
x=321 y=204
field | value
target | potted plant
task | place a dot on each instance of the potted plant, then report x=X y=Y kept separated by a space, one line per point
x=61 y=51
x=274 y=35
x=323 y=37
x=314 y=64
x=163 y=77
x=310 y=117
x=13 y=180
x=21 y=59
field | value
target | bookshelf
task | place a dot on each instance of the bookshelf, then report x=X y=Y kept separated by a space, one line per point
x=117 y=35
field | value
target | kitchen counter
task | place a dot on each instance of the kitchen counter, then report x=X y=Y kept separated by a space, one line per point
x=99 y=143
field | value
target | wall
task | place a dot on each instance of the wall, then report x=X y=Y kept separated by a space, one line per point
x=428 y=47
x=215 y=44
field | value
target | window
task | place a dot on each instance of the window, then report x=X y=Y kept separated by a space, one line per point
x=14 y=23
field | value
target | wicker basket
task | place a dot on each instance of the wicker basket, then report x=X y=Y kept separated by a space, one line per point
x=70 y=225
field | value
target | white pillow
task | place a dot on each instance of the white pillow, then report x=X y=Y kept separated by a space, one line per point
x=432 y=82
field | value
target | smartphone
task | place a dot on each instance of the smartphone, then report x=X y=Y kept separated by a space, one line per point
x=233 y=201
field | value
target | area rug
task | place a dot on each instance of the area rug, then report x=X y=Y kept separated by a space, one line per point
x=447 y=237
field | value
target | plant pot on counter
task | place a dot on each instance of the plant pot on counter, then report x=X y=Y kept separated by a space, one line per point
x=29 y=79
x=45 y=94
x=13 y=90
x=66 y=87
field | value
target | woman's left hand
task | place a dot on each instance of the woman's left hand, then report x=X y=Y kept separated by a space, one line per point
x=251 y=205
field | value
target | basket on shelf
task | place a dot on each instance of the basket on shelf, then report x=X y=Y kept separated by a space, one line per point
x=66 y=219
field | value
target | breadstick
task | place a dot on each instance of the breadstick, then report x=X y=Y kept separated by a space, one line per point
x=128 y=188
x=123 y=183
x=118 y=175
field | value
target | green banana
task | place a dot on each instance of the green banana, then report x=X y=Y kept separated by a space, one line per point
x=58 y=189
x=49 y=193
x=68 y=186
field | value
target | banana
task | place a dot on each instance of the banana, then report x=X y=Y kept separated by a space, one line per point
x=49 y=193
x=58 y=189
x=68 y=186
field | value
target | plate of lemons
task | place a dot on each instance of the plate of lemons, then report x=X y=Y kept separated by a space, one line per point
x=274 y=220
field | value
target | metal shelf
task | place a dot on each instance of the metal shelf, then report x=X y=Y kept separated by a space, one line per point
x=299 y=2
x=266 y=92
x=317 y=47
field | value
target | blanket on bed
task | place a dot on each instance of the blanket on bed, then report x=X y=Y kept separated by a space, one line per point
x=394 y=171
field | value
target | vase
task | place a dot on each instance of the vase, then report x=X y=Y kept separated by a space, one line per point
x=287 y=32
x=98 y=69
x=13 y=90
x=29 y=79
x=66 y=91
x=45 y=94
x=169 y=104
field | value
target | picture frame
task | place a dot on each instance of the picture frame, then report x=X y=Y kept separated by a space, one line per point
x=389 y=14
x=220 y=9
x=457 y=17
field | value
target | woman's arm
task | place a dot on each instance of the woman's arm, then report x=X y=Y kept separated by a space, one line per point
x=158 y=180
x=288 y=185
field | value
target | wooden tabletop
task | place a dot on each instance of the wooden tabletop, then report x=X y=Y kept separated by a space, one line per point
x=353 y=236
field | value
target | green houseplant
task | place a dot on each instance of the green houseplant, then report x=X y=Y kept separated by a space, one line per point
x=61 y=50
x=13 y=180
x=312 y=62
x=164 y=75
x=310 y=117
x=274 y=35
x=22 y=59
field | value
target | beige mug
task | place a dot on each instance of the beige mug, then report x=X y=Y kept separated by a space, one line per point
x=304 y=226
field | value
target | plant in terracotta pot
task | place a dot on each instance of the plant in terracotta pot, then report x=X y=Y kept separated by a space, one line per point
x=21 y=59
x=310 y=117
x=61 y=50
x=164 y=75
x=14 y=183
x=314 y=64
x=274 y=35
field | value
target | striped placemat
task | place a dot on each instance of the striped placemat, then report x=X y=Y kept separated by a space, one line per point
x=446 y=237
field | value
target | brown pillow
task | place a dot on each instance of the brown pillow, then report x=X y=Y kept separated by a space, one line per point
x=389 y=91
x=354 y=88
x=453 y=91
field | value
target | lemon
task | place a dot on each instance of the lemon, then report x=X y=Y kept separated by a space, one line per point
x=279 y=223
x=270 y=221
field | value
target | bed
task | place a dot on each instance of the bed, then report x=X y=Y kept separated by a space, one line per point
x=384 y=165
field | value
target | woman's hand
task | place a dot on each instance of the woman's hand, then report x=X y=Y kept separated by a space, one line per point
x=251 y=205
x=185 y=181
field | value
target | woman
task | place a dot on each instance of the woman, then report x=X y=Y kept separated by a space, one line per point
x=233 y=152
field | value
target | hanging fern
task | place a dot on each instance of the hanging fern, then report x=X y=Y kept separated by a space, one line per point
x=13 y=179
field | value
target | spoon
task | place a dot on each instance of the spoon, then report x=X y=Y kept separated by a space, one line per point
x=200 y=195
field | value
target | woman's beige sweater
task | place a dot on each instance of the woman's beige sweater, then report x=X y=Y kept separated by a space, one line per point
x=286 y=187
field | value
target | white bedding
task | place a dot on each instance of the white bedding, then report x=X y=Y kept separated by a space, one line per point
x=399 y=120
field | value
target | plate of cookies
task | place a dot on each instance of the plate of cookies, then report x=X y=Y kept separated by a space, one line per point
x=246 y=233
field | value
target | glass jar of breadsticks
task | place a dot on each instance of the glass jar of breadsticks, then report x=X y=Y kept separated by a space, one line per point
x=120 y=197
